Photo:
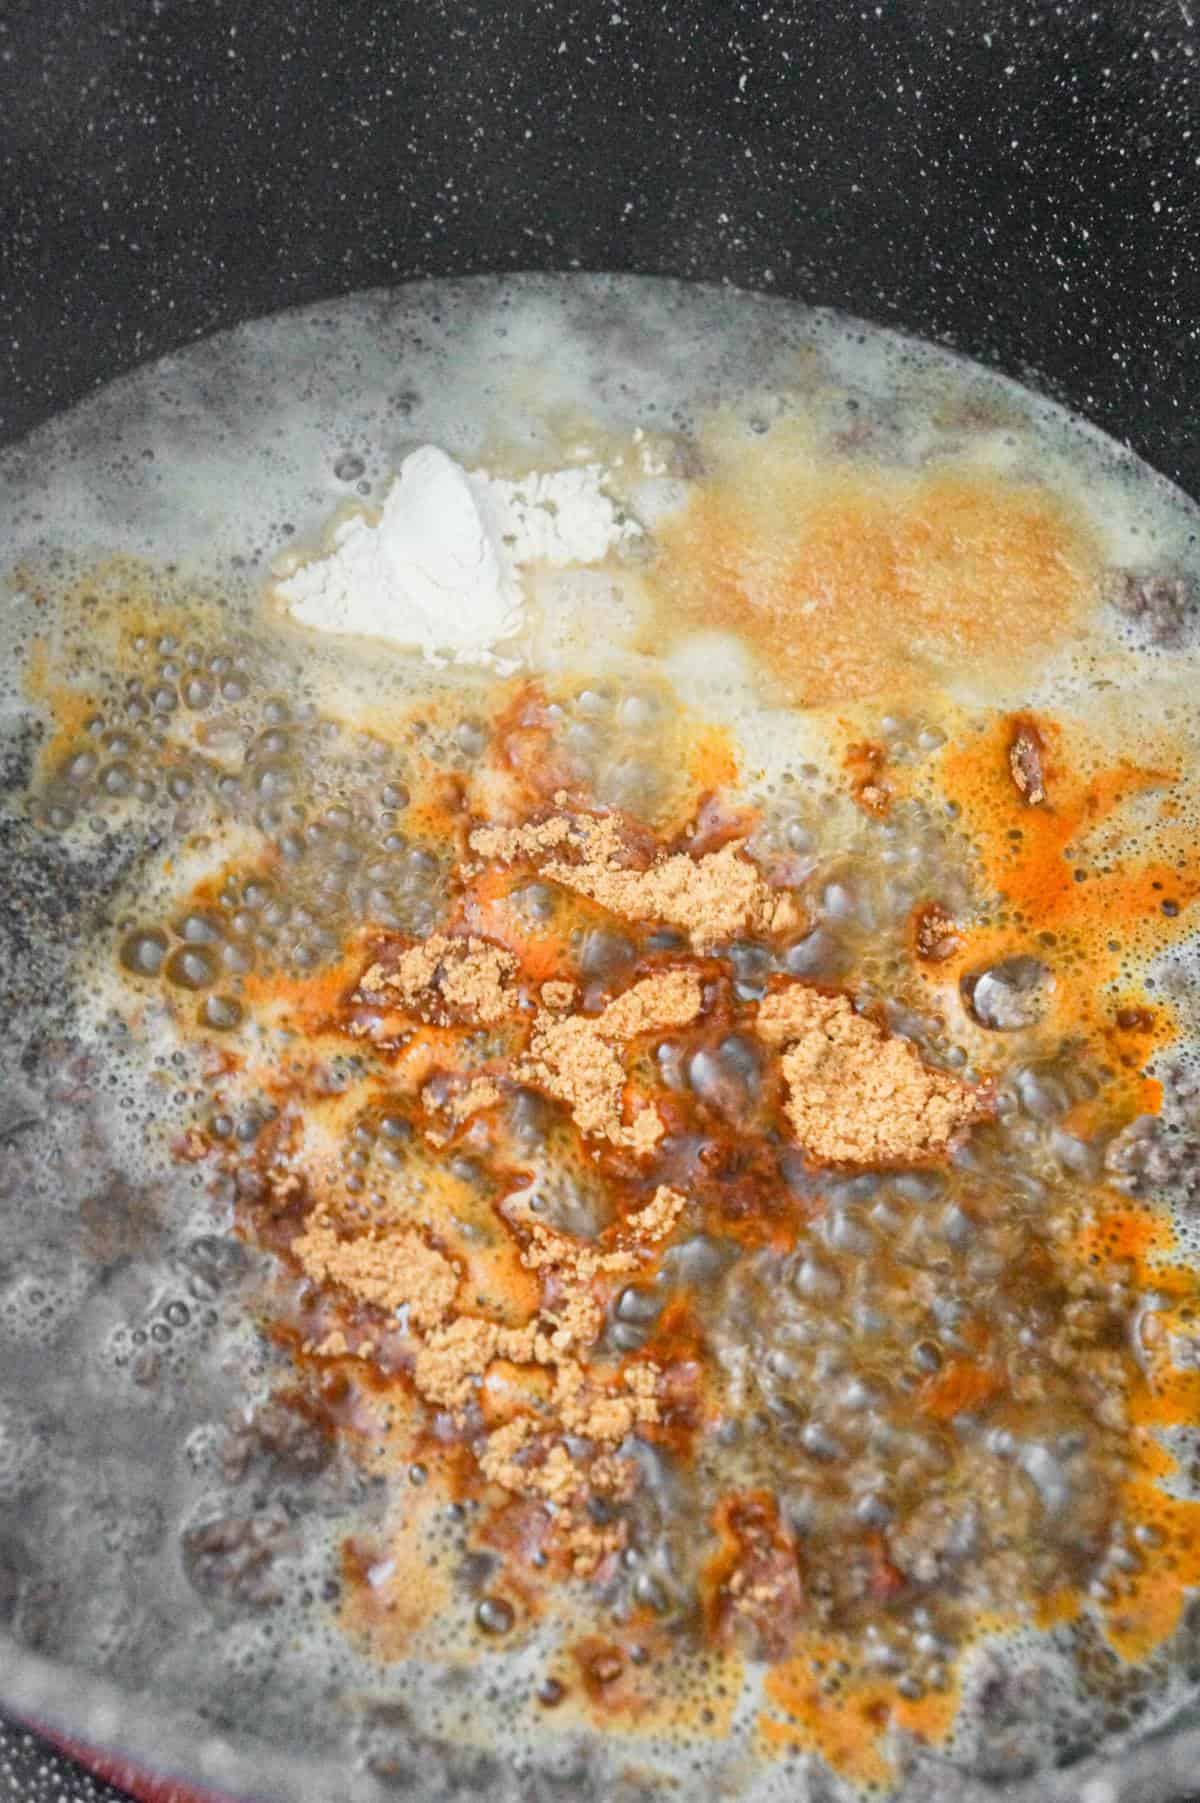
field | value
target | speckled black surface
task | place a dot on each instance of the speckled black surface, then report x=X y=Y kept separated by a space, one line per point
x=1015 y=178
x=1019 y=180
x=30 y=1773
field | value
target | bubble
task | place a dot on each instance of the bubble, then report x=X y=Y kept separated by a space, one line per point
x=418 y=865
x=816 y=955
x=816 y=1281
x=726 y=1078
x=117 y=779
x=495 y=1616
x=272 y=744
x=1009 y=996
x=348 y=467
x=648 y=1590
x=143 y=952
x=535 y=900
x=471 y=738
x=271 y=781
x=191 y=967
x=197 y=693
x=846 y=1233
x=221 y=1012
x=200 y=928
x=603 y=953
x=81 y=768
x=638 y=1305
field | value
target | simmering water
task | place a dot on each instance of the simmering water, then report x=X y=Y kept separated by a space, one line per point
x=928 y=649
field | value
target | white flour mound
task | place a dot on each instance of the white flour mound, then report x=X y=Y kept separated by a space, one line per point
x=561 y=518
x=440 y=571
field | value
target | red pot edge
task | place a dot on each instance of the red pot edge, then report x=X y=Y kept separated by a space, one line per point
x=114 y=1768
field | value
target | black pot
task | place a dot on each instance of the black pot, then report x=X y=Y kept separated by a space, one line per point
x=1020 y=181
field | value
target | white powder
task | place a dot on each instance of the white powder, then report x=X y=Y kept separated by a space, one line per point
x=429 y=575
x=561 y=518
x=440 y=572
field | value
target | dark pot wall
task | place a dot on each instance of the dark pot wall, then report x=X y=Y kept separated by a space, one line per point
x=1016 y=179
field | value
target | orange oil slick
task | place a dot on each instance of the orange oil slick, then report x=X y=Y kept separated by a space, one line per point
x=848 y=586
x=846 y=1727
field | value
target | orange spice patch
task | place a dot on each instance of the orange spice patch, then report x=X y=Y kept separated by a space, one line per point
x=445 y=976
x=857 y=1095
x=524 y=1402
x=574 y=1057
x=1025 y=851
x=849 y=587
x=936 y=935
x=870 y=784
x=390 y=1273
x=957 y=1389
x=711 y=897
x=845 y=1726
x=754 y=1591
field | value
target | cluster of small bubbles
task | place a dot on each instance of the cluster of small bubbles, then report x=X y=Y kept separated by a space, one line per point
x=333 y=820
x=19 y=1451
x=212 y=1264
x=612 y=745
x=38 y=1305
x=834 y=1350
x=349 y=467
